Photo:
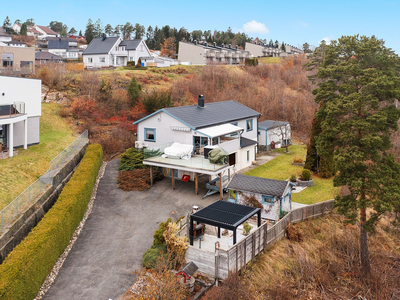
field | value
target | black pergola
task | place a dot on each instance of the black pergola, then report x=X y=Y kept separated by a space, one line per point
x=225 y=215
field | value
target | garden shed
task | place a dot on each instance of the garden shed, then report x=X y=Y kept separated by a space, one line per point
x=275 y=196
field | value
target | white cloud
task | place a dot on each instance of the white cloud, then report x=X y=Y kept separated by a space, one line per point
x=327 y=39
x=255 y=27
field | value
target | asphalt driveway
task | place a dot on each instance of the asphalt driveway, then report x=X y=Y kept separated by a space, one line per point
x=103 y=260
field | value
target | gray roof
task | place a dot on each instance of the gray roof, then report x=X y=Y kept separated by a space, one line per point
x=258 y=185
x=245 y=142
x=47 y=56
x=130 y=44
x=270 y=124
x=58 y=43
x=100 y=45
x=212 y=113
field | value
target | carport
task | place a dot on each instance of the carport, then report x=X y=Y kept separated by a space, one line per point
x=224 y=215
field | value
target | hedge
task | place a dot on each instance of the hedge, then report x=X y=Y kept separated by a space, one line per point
x=26 y=267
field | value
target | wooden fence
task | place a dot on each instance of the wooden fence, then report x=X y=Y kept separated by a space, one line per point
x=236 y=258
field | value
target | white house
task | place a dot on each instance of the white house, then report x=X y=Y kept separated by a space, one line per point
x=113 y=51
x=274 y=195
x=67 y=48
x=205 y=126
x=45 y=32
x=277 y=133
x=20 y=110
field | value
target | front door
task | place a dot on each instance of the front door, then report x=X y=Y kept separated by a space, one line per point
x=232 y=159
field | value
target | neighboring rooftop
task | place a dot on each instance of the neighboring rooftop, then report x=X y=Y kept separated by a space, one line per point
x=130 y=44
x=211 y=114
x=245 y=142
x=101 y=45
x=47 y=56
x=258 y=185
x=47 y=30
x=271 y=124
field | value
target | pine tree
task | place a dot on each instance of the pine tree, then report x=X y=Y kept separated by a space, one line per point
x=24 y=29
x=359 y=80
x=134 y=90
x=90 y=31
x=7 y=23
x=283 y=47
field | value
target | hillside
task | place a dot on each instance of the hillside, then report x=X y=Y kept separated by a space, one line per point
x=278 y=89
x=20 y=171
x=320 y=260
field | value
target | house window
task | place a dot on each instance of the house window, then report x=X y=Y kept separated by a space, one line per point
x=7 y=63
x=249 y=125
x=268 y=200
x=117 y=61
x=90 y=60
x=248 y=155
x=150 y=134
x=102 y=59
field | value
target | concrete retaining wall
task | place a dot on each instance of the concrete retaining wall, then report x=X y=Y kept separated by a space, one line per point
x=32 y=215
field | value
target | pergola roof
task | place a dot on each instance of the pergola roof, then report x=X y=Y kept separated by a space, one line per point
x=225 y=215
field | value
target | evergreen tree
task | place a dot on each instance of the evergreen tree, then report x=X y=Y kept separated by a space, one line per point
x=359 y=80
x=72 y=31
x=30 y=22
x=306 y=48
x=98 y=28
x=271 y=43
x=134 y=90
x=7 y=23
x=56 y=26
x=276 y=46
x=90 y=31
x=150 y=38
x=80 y=32
x=139 y=31
x=109 y=30
x=24 y=29
x=283 y=47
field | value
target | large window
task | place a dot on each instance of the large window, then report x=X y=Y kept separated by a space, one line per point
x=268 y=200
x=90 y=60
x=102 y=59
x=249 y=125
x=8 y=63
x=150 y=134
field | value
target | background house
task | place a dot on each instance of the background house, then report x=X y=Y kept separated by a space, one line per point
x=17 y=59
x=113 y=51
x=43 y=57
x=274 y=195
x=204 y=54
x=226 y=124
x=258 y=49
x=67 y=48
x=273 y=131
x=20 y=110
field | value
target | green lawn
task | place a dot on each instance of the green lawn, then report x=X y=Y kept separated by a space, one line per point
x=281 y=168
x=18 y=172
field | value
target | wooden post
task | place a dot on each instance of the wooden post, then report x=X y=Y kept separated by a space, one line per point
x=196 y=185
x=221 y=195
x=173 y=178
x=151 y=175
x=245 y=254
x=237 y=258
x=265 y=236
x=253 y=248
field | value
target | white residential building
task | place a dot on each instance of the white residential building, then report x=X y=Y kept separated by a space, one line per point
x=228 y=125
x=20 y=111
x=277 y=133
x=113 y=51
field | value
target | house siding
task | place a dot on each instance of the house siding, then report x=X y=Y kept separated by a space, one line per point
x=191 y=53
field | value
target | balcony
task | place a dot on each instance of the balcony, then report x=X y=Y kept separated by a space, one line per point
x=210 y=54
x=12 y=110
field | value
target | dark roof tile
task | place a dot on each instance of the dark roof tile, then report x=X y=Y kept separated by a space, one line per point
x=271 y=124
x=258 y=185
x=100 y=45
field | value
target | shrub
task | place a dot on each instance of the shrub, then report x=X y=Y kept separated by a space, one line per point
x=297 y=159
x=246 y=228
x=156 y=100
x=158 y=237
x=176 y=245
x=131 y=159
x=153 y=254
x=251 y=62
x=293 y=178
x=306 y=174
x=26 y=267
x=130 y=63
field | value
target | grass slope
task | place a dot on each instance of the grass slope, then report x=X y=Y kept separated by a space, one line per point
x=281 y=168
x=18 y=172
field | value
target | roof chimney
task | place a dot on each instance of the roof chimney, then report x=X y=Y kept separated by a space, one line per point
x=205 y=44
x=200 y=101
x=230 y=46
x=215 y=44
x=195 y=42
x=237 y=47
x=223 y=46
x=104 y=37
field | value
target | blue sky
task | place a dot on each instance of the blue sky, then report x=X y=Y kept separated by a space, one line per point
x=293 y=22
